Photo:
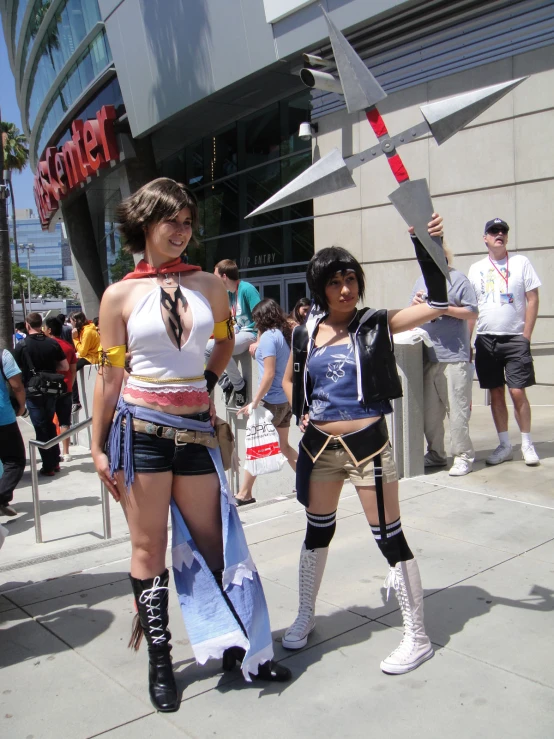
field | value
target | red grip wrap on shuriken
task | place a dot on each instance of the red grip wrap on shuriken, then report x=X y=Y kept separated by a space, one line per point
x=376 y=122
x=398 y=168
x=379 y=129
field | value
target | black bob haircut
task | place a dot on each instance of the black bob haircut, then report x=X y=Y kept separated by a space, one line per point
x=324 y=265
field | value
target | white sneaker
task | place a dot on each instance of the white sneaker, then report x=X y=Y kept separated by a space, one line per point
x=530 y=455
x=67 y=457
x=502 y=453
x=460 y=467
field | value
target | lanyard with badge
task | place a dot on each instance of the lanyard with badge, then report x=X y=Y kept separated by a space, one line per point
x=505 y=298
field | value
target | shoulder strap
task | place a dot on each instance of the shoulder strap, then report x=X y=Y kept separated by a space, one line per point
x=28 y=359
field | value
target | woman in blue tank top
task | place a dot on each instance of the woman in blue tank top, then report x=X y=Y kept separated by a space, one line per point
x=342 y=371
x=272 y=355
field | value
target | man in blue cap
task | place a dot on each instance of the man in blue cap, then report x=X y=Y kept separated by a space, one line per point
x=507 y=290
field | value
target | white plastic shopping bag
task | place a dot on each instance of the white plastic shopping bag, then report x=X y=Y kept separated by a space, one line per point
x=263 y=453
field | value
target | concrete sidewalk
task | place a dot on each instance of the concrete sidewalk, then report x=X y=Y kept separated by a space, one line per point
x=485 y=545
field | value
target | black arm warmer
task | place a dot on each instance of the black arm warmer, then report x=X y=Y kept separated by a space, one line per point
x=435 y=281
x=211 y=379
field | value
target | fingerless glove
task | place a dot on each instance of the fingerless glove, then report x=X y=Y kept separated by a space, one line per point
x=435 y=281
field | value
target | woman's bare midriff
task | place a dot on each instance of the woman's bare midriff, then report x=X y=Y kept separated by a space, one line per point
x=336 y=428
x=174 y=410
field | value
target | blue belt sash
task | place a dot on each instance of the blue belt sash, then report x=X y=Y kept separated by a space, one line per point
x=210 y=624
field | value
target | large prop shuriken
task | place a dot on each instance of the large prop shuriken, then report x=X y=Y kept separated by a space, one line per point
x=361 y=91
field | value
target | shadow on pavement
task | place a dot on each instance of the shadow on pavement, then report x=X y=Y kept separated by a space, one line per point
x=26 y=518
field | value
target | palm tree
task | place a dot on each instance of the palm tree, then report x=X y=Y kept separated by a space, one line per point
x=16 y=156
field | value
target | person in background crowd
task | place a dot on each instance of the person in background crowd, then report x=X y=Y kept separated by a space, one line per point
x=12 y=448
x=243 y=298
x=46 y=355
x=67 y=331
x=159 y=451
x=272 y=355
x=53 y=329
x=20 y=332
x=87 y=345
x=300 y=312
x=507 y=290
x=448 y=374
x=96 y=321
x=340 y=379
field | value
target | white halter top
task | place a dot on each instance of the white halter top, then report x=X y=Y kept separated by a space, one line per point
x=155 y=357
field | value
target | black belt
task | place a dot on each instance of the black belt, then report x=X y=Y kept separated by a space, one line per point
x=360 y=445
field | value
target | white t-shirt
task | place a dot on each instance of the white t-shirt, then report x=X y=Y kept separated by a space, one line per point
x=501 y=309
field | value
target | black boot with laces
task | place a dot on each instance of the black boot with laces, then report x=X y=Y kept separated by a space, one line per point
x=151 y=597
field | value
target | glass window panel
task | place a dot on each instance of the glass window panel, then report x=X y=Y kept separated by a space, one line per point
x=261 y=184
x=224 y=248
x=195 y=165
x=222 y=154
x=98 y=55
x=221 y=209
x=86 y=72
x=76 y=18
x=264 y=247
x=294 y=112
x=262 y=136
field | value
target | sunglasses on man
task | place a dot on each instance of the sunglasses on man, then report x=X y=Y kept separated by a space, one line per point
x=497 y=230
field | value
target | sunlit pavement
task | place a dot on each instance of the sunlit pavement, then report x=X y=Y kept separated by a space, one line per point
x=485 y=545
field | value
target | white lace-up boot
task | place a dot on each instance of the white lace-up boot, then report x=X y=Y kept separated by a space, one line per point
x=311 y=568
x=415 y=647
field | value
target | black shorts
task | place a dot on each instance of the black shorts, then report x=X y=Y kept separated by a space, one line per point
x=63 y=409
x=152 y=454
x=503 y=360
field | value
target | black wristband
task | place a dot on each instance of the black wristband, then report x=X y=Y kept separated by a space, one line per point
x=211 y=379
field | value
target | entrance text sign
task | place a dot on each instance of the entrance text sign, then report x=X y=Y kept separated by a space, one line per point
x=92 y=147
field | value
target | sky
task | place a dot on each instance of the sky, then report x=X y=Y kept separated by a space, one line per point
x=23 y=183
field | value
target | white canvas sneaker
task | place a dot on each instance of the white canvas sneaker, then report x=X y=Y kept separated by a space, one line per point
x=502 y=453
x=460 y=467
x=530 y=455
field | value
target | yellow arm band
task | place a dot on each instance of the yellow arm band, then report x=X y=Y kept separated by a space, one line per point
x=224 y=329
x=112 y=357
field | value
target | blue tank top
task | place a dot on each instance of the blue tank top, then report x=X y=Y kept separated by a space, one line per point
x=334 y=396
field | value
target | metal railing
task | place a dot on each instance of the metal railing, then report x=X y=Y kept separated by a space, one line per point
x=104 y=494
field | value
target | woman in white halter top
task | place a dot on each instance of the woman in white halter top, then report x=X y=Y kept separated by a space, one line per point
x=164 y=320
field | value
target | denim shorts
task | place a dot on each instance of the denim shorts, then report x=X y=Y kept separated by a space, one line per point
x=152 y=454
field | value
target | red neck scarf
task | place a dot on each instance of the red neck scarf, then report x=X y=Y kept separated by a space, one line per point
x=143 y=269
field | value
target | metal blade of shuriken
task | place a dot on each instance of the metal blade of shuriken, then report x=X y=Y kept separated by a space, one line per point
x=447 y=117
x=413 y=201
x=362 y=92
x=329 y=174
x=360 y=88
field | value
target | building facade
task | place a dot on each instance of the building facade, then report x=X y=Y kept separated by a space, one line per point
x=49 y=255
x=209 y=93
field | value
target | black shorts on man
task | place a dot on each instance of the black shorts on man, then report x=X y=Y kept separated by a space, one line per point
x=504 y=360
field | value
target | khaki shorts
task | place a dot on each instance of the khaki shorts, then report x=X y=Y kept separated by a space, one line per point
x=282 y=414
x=336 y=464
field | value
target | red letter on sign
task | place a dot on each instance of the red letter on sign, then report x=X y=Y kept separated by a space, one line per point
x=90 y=142
x=105 y=118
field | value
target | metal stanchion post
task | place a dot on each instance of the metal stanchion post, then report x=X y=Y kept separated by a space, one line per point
x=84 y=402
x=34 y=485
x=105 y=493
x=487 y=397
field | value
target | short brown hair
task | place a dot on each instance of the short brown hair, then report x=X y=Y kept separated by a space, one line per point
x=159 y=200
x=229 y=268
x=34 y=320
